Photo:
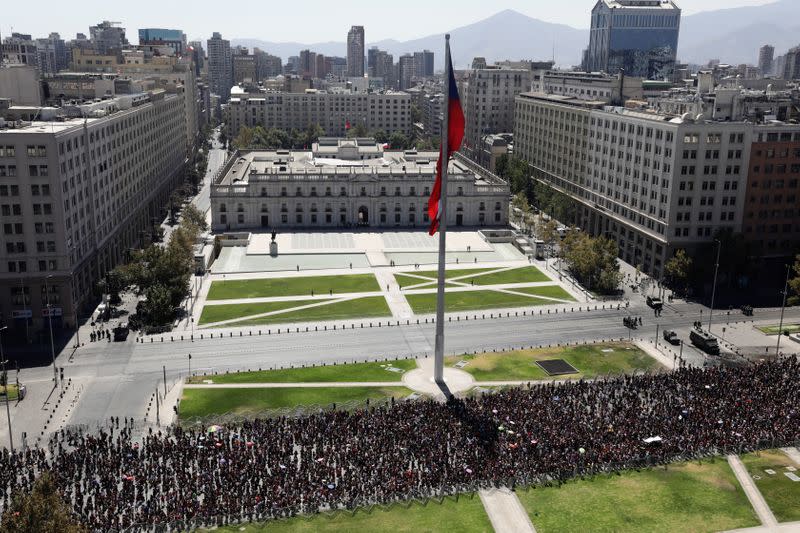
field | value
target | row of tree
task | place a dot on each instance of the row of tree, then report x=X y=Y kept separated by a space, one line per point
x=518 y=175
x=260 y=138
x=159 y=274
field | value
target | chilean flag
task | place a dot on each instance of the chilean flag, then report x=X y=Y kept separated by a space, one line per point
x=455 y=135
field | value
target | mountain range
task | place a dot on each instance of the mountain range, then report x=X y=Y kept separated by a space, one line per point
x=732 y=35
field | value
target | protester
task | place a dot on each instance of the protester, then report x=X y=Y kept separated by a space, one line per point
x=546 y=433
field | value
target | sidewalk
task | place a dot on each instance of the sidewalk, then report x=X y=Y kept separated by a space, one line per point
x=760 y=506
x=506 y=512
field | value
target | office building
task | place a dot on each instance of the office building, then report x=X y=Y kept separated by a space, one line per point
x=791 y=64
x=639 y=36
x=487 y=95
x=198 y=56
x=387 y=111
x=596 y=86
x=427 y=63
x=771 y=212
x=244 y=67
x=766 y=55
x=20 y=84
x=220 y=66
x=79 y=186
x=652 y=182
x=20 y=49
x=355 y=52
x=349 y=183
x=108 y=38
x=174 y=39
x=406 y=71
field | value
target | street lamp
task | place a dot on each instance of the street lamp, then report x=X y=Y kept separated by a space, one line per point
x=783 y=308
x=50 y=320
x=8 y=409
x=714 y=288
x=190 y=365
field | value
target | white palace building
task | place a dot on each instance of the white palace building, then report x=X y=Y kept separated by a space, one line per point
x=347 y=183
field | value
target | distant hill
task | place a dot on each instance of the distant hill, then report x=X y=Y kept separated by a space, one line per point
x=731 y=35
x=505 y=35
x=735 y=35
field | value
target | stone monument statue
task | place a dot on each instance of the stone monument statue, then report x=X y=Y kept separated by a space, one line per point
x=273 y=246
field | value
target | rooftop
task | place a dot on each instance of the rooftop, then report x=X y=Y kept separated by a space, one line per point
x=351 y=157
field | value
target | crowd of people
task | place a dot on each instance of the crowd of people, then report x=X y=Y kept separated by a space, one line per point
x=269 y=468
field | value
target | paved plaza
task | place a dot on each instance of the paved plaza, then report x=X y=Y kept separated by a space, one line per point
x=401 y=262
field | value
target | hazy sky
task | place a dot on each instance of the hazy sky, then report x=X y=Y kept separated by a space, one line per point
x=305 y=21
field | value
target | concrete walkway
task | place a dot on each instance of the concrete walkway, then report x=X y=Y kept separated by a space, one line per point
x=760 y=506
x=394 y=297
x=421 y=379
x=786 y=527
x=506 y=512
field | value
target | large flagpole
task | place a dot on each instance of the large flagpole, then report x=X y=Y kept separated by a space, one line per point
x=438 y=368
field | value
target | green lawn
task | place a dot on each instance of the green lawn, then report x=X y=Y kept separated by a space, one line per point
x=529 y=274
x=13 y=393
x=684 y=498
x=408 y=281
x=370 y=306
x=550 y=291
x=204 y=402
x=360 y=372
x=465 y=515
x=781 y=493
x=471 y=301
x=449 y=274
x=590 y=360
x=267 y=288
x=774 y=330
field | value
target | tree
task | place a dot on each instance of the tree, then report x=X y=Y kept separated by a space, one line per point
x=380 y=136
x=593 y=261
x=42 y=511
x=677 y=269
x=794 y=283
x=244 y=140
x=398 y=141
x=193 y=216
x=359 y=130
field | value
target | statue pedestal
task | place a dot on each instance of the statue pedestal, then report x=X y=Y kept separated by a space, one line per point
x=273 y=249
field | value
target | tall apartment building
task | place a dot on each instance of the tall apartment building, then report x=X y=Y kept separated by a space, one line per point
x=771 y=209
x=220 y=66
x=198 y=56
x=20 y=49
x=791 y=64
x=766 y=55
x=406 y=71
x=107 y=38
x=355 y=52
x=347 y=183
x=652 y=182
x=244 y=67
x=427 y=63
x=79 y=186
x=387 y=111
x=639 y=36
x=487 y=95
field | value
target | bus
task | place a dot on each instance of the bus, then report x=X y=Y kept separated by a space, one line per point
x=704 y=341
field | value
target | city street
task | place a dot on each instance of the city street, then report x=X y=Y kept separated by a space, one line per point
x=118 y=379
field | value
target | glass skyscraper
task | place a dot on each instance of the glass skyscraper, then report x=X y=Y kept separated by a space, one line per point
x=639 y=36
